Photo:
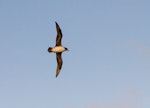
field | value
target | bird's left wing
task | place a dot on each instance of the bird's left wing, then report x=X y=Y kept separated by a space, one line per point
x=59 y=63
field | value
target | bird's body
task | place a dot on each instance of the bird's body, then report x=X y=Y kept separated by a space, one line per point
x=58 y=49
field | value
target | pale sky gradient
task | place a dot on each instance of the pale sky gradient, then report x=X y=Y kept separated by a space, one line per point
x=108 y=65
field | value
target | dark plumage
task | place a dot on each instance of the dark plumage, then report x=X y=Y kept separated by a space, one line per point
x=58 y=49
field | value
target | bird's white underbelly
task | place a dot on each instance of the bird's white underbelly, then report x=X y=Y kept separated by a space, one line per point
x=58 y=49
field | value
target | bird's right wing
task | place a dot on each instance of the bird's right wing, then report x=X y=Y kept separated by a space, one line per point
x=59 y=35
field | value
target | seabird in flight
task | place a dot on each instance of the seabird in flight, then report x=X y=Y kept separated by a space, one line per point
x=58 y=49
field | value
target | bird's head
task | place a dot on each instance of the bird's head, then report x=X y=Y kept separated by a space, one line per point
x=66 y=49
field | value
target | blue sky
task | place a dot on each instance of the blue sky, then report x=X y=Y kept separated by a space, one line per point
x=108 y=65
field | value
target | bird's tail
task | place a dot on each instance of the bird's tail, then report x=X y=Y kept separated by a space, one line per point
x=50 y=49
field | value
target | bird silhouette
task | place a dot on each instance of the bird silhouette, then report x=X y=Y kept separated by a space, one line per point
x=58 y=49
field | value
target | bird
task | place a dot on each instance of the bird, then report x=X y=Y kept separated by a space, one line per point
x=58 y=49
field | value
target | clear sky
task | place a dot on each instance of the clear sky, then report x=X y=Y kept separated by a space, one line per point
x=108 y=65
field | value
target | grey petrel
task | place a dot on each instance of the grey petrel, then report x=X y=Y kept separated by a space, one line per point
x=58 y=49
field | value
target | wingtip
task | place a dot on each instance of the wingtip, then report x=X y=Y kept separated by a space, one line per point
x=56 y=75
x=56 y=23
